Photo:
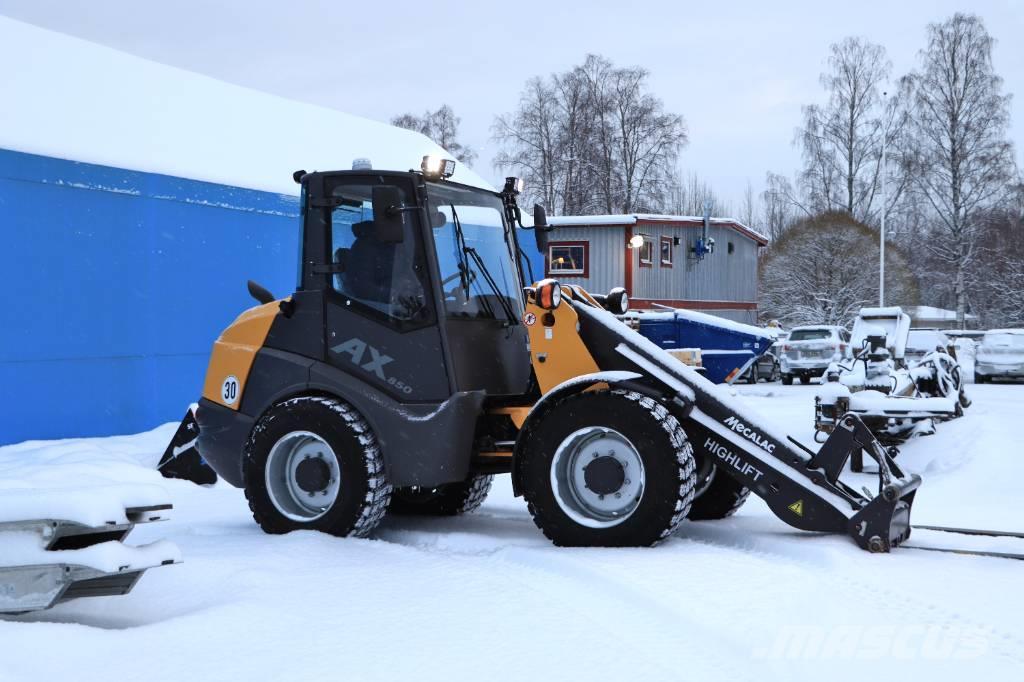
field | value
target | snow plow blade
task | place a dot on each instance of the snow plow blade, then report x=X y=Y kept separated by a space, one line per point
x=64 y=560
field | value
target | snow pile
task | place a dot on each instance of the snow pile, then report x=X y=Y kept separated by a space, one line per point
x=88 y=481
x=71 y=99
x=91 y=505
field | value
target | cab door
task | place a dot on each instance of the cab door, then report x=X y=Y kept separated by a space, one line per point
x=380 y=319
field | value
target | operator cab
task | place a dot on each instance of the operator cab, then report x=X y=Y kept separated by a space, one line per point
x=413 y=266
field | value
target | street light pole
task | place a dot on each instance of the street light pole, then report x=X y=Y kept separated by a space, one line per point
x=881 y=250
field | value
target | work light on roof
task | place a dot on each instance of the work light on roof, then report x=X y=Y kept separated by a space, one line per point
x=436 y=167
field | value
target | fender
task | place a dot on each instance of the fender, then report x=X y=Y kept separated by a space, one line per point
x=631 y=381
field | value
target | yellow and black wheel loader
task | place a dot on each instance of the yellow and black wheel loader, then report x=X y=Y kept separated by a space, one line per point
x=416 y=359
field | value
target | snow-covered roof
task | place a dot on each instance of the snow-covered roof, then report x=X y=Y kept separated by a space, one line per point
x=72 y=99
x=927 y=312
x=636 y=218
x=1005 y=331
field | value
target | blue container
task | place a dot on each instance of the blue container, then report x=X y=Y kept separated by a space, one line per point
x=727 y=347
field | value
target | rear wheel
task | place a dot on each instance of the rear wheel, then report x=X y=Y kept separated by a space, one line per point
x=607 y=468
x=804 y=379
x=450 y=499
x=754 y=375
x=312 y=463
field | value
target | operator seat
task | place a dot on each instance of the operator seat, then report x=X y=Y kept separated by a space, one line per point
x=368 y=265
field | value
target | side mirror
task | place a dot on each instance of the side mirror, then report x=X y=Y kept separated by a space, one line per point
x=540 y=227
x=259 y=293
x=388 y=214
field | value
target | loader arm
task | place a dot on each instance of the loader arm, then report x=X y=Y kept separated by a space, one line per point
x=802 y=488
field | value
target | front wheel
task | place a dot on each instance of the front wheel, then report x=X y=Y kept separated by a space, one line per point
x=787 y=379
x=607 y=468
x=312 y=463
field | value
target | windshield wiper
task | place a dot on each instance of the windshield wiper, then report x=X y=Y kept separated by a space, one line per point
x=506 y=307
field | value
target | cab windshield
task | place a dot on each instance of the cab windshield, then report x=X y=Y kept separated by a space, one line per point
x=479 y=278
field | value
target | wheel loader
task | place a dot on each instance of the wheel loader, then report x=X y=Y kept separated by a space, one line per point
x=417 y=359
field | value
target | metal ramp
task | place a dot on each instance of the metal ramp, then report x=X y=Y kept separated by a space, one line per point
x=75 y=560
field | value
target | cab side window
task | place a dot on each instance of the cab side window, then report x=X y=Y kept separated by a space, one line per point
x=382 y=278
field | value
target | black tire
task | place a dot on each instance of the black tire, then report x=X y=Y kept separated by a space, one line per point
x=450 y=499
x=754 y=378
x=719 y=499
x=363 y=491
x=787 y=379
x=656 y=439
x=804 y=379
x=980 y=378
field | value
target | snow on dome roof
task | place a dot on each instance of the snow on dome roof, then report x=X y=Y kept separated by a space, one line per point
x=68 y=98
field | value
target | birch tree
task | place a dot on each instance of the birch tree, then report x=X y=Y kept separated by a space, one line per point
x=841 y=140
x=960 y=160
x=592 y=139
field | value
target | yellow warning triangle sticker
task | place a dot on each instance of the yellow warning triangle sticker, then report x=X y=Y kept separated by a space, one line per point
x=797 y=507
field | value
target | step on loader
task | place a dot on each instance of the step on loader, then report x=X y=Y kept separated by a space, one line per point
x=417 y=359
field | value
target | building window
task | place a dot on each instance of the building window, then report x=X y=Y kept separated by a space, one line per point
x=665 y=244
x=647 y=253
x=568 y=258
x=732 y=247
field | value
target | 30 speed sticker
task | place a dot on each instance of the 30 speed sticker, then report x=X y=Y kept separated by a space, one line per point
x=229 y=390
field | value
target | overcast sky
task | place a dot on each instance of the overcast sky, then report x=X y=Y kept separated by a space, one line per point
x=737 y=71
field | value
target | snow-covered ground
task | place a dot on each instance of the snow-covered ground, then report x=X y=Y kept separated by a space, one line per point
x=486 y=597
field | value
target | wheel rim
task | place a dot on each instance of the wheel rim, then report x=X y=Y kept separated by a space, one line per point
x=302 y=476
x=597 y=477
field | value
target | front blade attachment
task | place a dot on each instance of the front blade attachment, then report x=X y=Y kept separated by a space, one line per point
x=181 y=458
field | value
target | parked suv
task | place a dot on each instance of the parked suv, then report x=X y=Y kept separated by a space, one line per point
x=1001 y=354
x=809 y=351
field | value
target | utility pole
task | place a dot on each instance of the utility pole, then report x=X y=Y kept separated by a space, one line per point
x=881 y=250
